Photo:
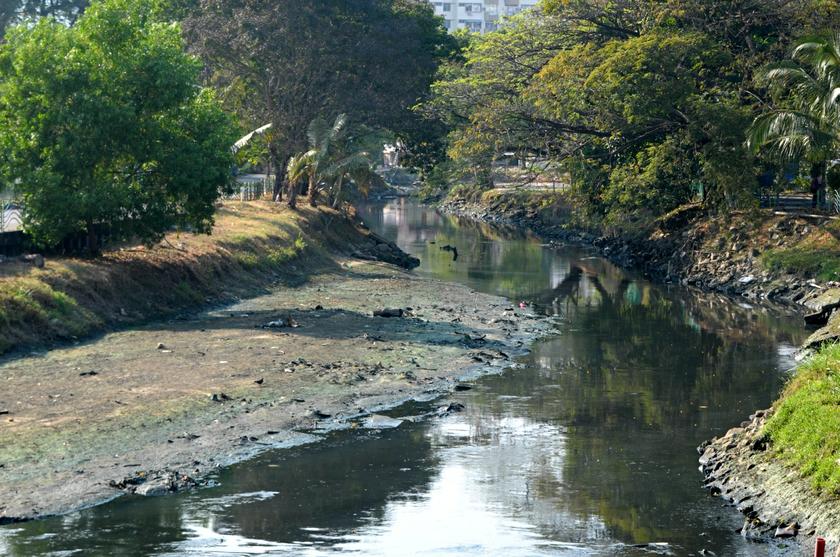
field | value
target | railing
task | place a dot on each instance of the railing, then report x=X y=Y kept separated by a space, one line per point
x=251 y=187
x=11 y=217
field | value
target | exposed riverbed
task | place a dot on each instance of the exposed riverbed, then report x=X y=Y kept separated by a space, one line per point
x=585 y=448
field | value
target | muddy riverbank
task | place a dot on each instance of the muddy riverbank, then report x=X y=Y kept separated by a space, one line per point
x=152 y=410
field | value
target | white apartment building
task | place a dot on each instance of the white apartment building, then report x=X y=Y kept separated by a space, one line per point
x=478 y=15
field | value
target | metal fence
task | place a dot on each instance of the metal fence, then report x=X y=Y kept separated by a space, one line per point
x=11 y=217
x=251 y=187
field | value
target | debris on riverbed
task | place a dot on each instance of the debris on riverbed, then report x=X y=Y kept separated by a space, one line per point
x=452 y=249
x=377 y=421
x=389 y=312
x=282 y=323
x=155 y=483
x=450 y=408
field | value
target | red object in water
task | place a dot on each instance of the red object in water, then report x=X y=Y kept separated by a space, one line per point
x=819 y=550
x=523 y=305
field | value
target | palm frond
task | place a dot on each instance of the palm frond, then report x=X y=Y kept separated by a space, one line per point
x=317 y=131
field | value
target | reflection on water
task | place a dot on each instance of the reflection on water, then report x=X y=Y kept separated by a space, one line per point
x=587 y=449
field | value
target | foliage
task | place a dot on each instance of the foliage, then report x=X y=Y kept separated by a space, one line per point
x=645 y=104
x=806 y=124
x=333 y=159
x=289 y=63
x=66 y=11
x=805 y=429
x=103 y=126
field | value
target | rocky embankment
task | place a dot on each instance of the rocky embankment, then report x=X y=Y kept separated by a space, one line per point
x=720 y=254
x=777 y=503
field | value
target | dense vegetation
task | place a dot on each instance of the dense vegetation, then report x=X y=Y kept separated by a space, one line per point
x=103 y=125
x=114 y=121
x=642 y=105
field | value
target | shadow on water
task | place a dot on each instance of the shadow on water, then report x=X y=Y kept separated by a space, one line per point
x=586 y=448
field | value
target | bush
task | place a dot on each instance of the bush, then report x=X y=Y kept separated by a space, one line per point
x=103 y=125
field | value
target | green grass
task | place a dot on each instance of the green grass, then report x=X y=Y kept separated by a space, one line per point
x=819 y=263
x=805 y=429
x=278 y=256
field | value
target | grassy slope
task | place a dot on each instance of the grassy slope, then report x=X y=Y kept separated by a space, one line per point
x=805 y=428
x=252 y=245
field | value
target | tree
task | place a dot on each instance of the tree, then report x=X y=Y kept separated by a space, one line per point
x=65 y=11
x=287 y=63
x=643 y=102
x=103 y=126
x=334 y=158
x=806 y=124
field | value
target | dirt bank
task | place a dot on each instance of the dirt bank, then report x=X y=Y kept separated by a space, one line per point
x=253 y=245
x=153 y=409
x=777 y=502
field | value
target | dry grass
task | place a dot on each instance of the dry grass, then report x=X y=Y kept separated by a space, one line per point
x=252 y=245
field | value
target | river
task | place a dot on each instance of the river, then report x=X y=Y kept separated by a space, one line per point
x=586 y=447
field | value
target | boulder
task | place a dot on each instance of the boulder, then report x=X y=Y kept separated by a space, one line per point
x=829 y=333
x=822 y=305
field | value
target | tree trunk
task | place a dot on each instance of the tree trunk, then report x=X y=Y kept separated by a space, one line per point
x=313 y=191
x=337 y=196
x=279 y=173
x=277 y=192
x=267 y=173
x=293 y=191
x=92 y=240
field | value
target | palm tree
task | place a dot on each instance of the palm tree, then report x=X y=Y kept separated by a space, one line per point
x=330 y=162
x=300 y=167
x=348 y=166
x=324 y=139
x=809 y=127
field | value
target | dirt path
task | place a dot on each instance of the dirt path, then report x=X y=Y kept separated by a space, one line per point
x=153 y=409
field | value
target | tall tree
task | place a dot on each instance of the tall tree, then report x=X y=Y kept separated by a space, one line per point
x=103 y=125
x=287 y=63
x=644 y=102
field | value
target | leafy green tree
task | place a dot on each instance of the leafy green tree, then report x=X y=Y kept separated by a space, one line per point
x=644 y=103
x=104 y=127
x=287 y=63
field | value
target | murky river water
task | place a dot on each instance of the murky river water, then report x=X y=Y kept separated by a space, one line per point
x=586 y=449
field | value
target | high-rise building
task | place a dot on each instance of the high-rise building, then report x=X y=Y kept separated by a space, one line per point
x=478 y=15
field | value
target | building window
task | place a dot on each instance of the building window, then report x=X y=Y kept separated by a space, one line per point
x=470 y=24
